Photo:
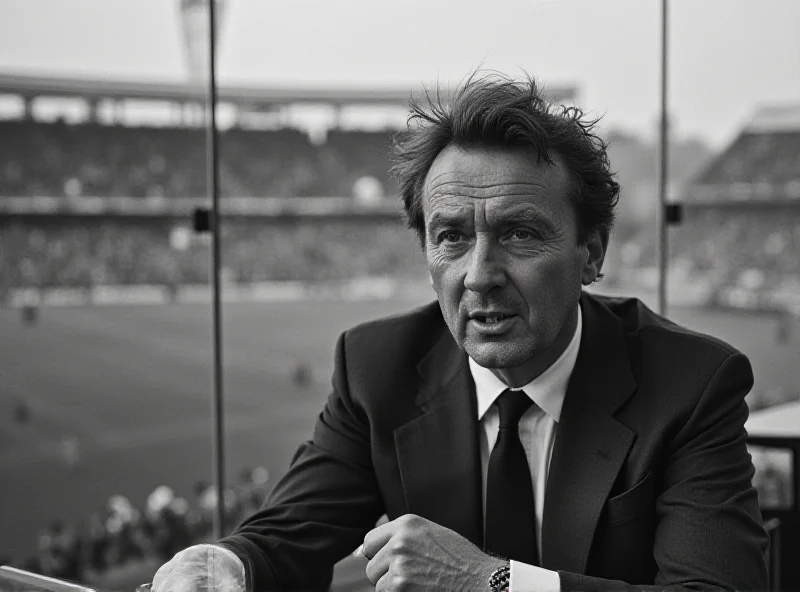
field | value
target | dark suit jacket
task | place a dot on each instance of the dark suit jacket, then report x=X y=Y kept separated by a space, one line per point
x=650 y=479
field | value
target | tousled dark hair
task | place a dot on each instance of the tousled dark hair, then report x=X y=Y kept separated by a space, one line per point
x=492 y=110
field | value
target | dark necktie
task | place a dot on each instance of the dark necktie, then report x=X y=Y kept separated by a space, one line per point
x=510 y=530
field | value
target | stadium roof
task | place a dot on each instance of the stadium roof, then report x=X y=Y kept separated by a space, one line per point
x=761 y=164
x=92 y=89
x=775 y=118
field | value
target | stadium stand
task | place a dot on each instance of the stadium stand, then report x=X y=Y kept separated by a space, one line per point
x=753 y=248
x=87 y=160
x=755 y=157
x=276 y=163
x=766 y=151
x=358 y=154
x=750 y=197
x=736 y=246
x=741 y=228
x=83 y=254
x=60 y=159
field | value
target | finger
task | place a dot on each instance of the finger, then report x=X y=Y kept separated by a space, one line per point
x=165 y=584
x=161 y=575
x=176 y=583
x=377 y=538
x=379 y=565
x=387 y=583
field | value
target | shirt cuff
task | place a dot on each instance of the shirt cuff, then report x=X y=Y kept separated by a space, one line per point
x=529 y=578
x=229 y=564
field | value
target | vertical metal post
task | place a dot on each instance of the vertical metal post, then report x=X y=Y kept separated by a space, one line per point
x=212 y=171
x=663 y=169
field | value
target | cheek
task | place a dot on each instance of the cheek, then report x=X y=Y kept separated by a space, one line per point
x=447 y=289
x=435 y=268
x=446 y=282
x=549 y=285
x=440 y=268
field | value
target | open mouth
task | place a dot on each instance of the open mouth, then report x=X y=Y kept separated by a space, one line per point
x=495 y=324
x=491 y=320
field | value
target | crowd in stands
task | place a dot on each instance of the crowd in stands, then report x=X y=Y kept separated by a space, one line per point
x=328 y=251
x=57 y=159
x=728 y=246
x=83 y=256
x=125 y=253
x=121 y=533
x=740 y=247
x=751 y=249
x=733 y=248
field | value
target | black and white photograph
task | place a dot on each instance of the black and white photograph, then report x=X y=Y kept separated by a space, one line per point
x=399 y=296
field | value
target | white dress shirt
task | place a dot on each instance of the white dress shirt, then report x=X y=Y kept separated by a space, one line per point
x=537 y=431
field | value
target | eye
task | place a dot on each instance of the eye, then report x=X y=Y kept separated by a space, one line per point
x=450 y=236
x=523 y=234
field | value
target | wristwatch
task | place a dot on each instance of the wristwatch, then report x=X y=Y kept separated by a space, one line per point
x=500 y=580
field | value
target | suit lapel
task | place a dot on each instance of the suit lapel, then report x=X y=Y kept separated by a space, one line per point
x=439 y=457
x=591 y=445
x=438 y=451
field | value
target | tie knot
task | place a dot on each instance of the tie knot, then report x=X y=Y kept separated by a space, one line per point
x=512 y=405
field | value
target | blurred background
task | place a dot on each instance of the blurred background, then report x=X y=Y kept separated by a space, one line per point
x=105 y=314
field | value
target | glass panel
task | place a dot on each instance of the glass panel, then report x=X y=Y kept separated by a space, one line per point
x=774 y=478
x=105 y=345
x=734 y=169
x=312 y=245
x=291 y=276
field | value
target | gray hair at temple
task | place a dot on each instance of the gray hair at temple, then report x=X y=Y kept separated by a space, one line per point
x=493 y=110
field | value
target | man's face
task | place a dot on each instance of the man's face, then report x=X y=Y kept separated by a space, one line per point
x=503 y=254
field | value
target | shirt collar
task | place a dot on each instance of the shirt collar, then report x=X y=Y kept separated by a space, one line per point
x=546 y=390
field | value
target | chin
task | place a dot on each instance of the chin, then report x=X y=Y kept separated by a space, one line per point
x=498 y=355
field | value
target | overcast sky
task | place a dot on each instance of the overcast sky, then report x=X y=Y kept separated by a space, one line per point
x=727 y=56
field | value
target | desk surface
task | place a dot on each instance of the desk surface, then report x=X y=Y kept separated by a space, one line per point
x=18 y=580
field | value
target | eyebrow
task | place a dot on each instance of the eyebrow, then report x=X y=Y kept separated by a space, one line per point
x=522 y=215
x=439 y=219
x=455 y=220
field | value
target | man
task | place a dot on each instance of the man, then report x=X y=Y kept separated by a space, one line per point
x=519 y=433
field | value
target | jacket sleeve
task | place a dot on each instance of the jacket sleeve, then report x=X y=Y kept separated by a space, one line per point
x=709 y=534
x=323 y=506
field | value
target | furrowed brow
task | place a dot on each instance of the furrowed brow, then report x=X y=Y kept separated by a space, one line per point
x=527 y=215
x=441 y=219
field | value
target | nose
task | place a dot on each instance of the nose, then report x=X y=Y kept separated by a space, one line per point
x=485 y=271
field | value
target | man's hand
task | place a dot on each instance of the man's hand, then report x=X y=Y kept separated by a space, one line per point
x=199 y=569
x=412 y=553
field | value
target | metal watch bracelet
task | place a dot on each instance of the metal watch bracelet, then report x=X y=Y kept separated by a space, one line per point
x=500 y=580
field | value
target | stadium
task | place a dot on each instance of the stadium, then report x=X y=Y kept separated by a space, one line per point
x=105 y=291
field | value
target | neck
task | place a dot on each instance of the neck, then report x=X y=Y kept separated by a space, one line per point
x=531 y=369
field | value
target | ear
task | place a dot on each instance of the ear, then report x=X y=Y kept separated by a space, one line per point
x=594 y=252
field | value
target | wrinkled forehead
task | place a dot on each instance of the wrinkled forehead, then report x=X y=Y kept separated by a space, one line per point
x=495 y=178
